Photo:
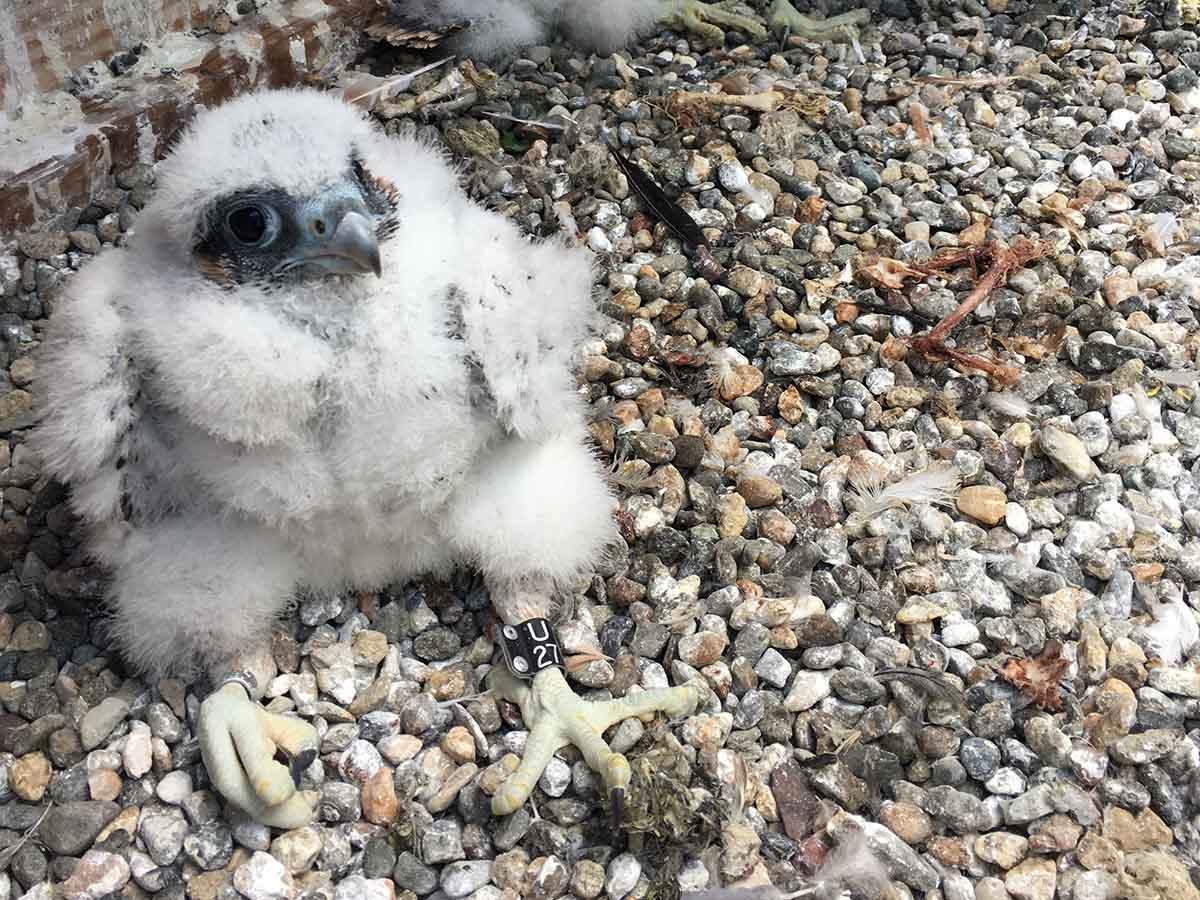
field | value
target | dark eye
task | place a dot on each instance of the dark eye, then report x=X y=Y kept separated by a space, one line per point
x=248 y=223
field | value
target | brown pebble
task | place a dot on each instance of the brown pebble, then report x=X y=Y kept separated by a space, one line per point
x=458 y=744
x=379 y=803
x=104 y=784
x=29 y=776
x=759 y=490
x=983 y=503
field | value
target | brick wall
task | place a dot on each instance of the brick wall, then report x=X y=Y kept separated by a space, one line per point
x=62 y=137
x=42 y=41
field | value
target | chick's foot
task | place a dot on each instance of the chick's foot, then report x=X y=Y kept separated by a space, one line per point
x=705 y=20
x=556 y=717
x=783 y=17
x=238 y=741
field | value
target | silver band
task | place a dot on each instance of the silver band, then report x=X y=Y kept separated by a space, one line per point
x=244 y=678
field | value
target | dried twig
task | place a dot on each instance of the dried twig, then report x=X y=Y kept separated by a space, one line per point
x=9 y=852
x=687 y=101
x=983 y=81
x=532 y=123
x=919 y=116
x=1004 y=260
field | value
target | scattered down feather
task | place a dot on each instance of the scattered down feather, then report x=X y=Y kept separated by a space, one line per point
x=497 y=28
x=1174 y=630
x=849 y=865
x=1008 y=404
x=935 y=485
x=227 y=444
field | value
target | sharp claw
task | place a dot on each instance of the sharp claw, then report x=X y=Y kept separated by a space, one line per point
x=616 y=800
x=299 y=763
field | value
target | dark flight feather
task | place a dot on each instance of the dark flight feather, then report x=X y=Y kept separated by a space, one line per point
x=659 y=204
x=936 y=682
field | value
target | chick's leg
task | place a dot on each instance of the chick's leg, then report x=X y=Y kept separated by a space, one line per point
x=556 y=717
x=534 y=515
x=196 y=591
x=239 y=741
x=706 y=20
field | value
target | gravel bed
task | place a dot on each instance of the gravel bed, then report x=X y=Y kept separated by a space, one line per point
x=808 y=503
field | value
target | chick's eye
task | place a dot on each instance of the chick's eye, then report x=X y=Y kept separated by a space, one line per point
x=249 y=224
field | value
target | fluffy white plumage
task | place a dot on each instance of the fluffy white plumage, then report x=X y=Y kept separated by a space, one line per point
x=499 y=27
x=229 y=444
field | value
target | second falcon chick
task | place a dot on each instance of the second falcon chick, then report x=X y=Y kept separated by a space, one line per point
x=489 y=29
x=319 y=366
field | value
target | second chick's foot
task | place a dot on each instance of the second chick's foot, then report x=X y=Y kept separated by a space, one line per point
x=556 y=717
x=238 y=741
x=782 y=16
x=706 y=20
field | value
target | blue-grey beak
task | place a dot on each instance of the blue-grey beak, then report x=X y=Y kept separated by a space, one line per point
x=337 y=237
x=352 y=248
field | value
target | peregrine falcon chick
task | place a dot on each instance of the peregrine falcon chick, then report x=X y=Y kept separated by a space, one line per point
x=494 y=28
x=319 y=366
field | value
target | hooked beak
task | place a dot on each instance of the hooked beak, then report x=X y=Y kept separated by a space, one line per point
x=352 y=249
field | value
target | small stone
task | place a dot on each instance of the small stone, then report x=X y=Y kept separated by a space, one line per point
x=983 y=503
x=43 y=244
x=163 y=829
x=97 y=875
x=1144 y=747
x=1132 y=833
x=29 y=636
x=916 y=612
x=442 y=842
x=137 y=756
x=759 y=490
x=462 y=878
x=773 y=668
x=587 y=879
x=1034 y=879
x=359 y=761
x=1001 y=848
x=70 y=828
x=399 y=748
x=1113 y=712
x=29 y=776
x=1182 y=682
x=458 y=744
x=263 y=877
x=909 y=822
x=744 y=280
x=1069 y=452
x=1097 y=852
x=209 y=846
x=741 y=381
x=298 y=850
x=85 y=241
x=555 y=778
x=549 y=879
x=380 y=805
x=623 y=874
x=740 y=845
x=99 y=721
x=732 y=515
x=369 y=647
x=807 y=690
x=174 y=787
x=104 y=784
x=702 y=648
